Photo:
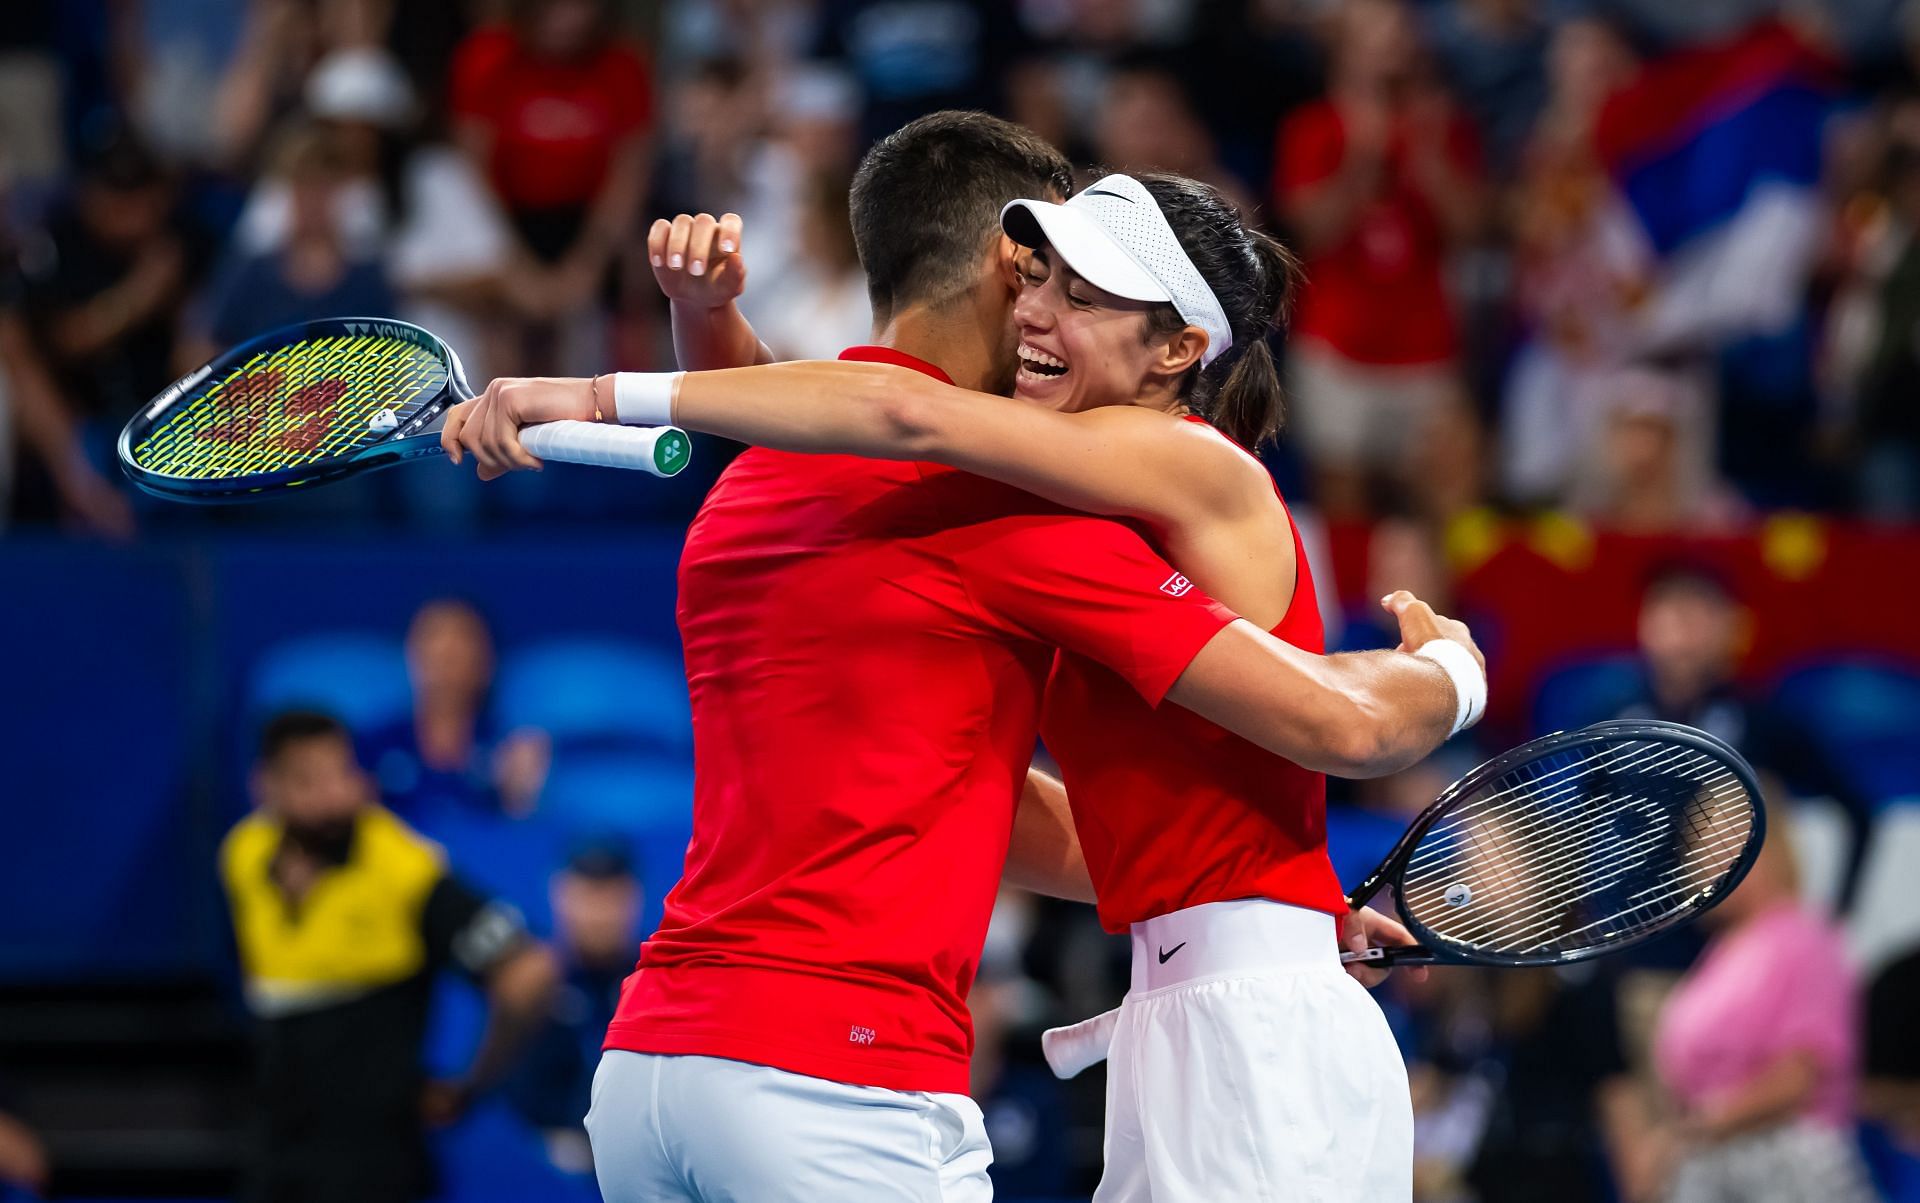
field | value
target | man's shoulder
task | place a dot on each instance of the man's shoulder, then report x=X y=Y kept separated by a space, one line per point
x=838 y=496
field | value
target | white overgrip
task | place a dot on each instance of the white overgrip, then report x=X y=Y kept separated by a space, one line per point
x=659 y=450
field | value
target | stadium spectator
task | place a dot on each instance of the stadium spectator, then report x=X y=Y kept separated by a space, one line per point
x=98 y=304
x=1444 y=477
x=558 y=111
x=766 y=148
x=1872 y=365
x=351 y=97
x=716 y=118
x=32 y=154
x=1692 y=635
x=1379 y=182
x=261 y=83
x=448 y=752
x=343 y=917
x=1890 y=1093
x=406 y=198
x=309 y=272
x=1649 y=468
x=1147 y=122
x=24 y=1166
x=1509 y=1073
x=818 y=305
x=770 y=35
x=1759 y=1047
x=1493 y=53
x=1582 y=269
x=915 y=56
x=1402 y=553
x=1250 y=63
x=596 y=912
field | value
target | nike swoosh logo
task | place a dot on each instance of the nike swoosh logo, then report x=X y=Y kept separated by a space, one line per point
x=1167 y=953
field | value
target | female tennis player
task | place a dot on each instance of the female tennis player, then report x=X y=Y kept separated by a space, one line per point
x=1246 y=1063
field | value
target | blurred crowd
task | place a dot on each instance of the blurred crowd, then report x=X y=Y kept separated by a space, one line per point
x=1650 y=264
x=1656 y=266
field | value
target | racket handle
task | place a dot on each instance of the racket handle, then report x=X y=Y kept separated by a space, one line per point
x=660 y=450
x=1386 y=958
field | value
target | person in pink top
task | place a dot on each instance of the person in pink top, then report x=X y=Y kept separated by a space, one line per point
x=1758 y=1047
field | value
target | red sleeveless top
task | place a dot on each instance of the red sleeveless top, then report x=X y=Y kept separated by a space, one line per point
x=1173 y=811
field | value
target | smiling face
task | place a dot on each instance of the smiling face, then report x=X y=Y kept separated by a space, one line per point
x=1082 y=348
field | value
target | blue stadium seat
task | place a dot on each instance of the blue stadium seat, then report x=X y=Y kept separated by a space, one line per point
x=619 y=792
x=596 y=692
x=493 y=1156
x=1585 y=692
x=1865 y=715
x=358 y=677
x=511 y=858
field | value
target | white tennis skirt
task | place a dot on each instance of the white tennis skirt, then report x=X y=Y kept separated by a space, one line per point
x=1246 y=1065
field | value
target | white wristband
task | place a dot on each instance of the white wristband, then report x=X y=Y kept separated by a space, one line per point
x=1469 y=682
x=645 y=398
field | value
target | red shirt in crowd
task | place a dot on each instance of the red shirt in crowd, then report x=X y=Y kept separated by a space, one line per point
x=554 y=124
x=1173 y=811
x=867 y=644
x=1378 y=296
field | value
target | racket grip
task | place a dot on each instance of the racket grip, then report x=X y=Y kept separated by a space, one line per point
x=1388 y=957
x=659 y=450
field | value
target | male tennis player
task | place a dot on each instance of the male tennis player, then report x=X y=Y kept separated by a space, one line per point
x=866 y=647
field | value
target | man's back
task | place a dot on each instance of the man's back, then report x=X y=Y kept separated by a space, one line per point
x=866 y=648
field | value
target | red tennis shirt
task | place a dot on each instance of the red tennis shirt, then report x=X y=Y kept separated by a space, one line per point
x=867 y=644
x=1173 y=811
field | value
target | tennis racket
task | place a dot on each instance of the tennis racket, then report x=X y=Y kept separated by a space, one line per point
x=320 y=401
x=1574 y=845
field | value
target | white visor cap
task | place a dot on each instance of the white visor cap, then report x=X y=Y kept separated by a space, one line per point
x=1115 y=237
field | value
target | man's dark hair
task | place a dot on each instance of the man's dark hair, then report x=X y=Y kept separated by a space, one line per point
x=1687 y=578
x=291 y=727
x=926 y=202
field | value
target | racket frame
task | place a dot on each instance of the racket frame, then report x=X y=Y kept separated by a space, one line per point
x=416 y=435
x=1612 y=731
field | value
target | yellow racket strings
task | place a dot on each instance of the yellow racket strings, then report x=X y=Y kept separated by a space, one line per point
x=288 y=407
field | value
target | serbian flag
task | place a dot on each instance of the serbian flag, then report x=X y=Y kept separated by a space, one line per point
x=1718 y=150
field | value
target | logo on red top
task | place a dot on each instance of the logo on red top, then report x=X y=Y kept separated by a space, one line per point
x=1176 y=586
x=861 y=1035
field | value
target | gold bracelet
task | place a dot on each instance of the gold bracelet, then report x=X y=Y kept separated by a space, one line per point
x=593 y=388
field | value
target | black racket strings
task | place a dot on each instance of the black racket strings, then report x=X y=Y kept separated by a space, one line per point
x=1556 y=891
x=1537 y=861
x=1544 y=901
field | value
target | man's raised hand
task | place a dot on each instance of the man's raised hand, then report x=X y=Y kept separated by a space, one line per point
x=696 y=259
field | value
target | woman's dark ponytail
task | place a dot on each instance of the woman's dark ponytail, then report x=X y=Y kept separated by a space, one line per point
x=1253 y=276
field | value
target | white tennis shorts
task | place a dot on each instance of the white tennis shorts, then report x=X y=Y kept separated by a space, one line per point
x=708 y=1130
x=1246 y=1065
